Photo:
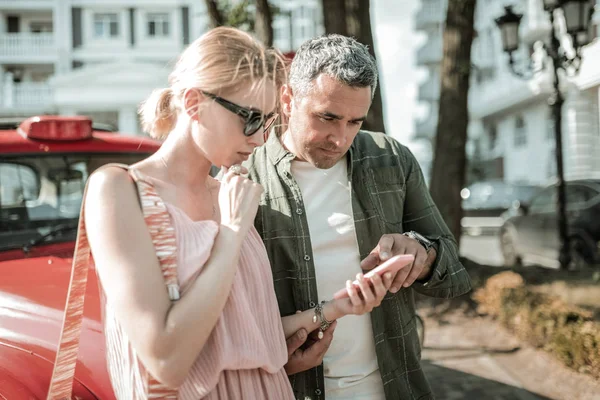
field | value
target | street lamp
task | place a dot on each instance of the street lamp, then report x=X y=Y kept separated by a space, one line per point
x=577 y=16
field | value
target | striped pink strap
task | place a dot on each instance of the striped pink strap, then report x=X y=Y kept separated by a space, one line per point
x=163 y=237
x=61 y=384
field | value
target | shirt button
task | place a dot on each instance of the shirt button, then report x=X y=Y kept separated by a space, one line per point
x=299 y=211
x=312 y=304
x=318 y=392
x=306 y=257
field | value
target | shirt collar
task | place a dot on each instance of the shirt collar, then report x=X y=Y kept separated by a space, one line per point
x=275 y=150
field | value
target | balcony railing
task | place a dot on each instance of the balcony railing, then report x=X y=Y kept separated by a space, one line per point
x=506 y=92
x=431 y=52
x=28 y=95
x=432 y=12
x=20 y=5
x=24 y=45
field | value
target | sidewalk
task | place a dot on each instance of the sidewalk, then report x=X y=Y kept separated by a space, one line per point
x=474 y=358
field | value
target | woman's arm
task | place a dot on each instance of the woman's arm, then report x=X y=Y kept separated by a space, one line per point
x=167 y=336
x=360 y=301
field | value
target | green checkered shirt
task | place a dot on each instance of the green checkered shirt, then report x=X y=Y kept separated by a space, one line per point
x=389 y=195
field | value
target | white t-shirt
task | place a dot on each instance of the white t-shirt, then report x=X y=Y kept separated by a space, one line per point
x=350 y=364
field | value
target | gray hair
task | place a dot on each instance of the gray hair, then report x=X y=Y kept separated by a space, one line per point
x=338 y=56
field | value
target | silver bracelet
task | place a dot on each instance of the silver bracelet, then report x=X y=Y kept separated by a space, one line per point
x=319 y=316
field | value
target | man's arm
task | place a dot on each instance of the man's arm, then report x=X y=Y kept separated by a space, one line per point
x=447 y=277
x=307 y=351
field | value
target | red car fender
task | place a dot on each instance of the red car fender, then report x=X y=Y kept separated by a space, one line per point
x=12 y=389
x=25 y=376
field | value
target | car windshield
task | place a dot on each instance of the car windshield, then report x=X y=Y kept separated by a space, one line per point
x=42 y=194
x=495 y=195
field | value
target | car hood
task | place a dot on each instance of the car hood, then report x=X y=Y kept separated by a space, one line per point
x=33 y=293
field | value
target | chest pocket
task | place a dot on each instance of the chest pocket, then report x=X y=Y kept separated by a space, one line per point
x=388 y=189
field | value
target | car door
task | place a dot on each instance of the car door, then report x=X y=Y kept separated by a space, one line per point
x=532 y=225
x=577 y=196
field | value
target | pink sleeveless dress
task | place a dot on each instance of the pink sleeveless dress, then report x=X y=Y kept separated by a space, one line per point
x=244 y=356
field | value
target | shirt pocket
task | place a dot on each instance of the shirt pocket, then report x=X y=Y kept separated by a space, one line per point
x=388 y=190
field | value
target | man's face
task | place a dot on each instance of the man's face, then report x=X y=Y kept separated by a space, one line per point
x=323 y=122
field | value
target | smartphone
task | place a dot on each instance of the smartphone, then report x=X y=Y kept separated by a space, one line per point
x=392 y=265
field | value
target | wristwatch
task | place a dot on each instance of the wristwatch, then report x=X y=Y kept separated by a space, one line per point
x=423 y=241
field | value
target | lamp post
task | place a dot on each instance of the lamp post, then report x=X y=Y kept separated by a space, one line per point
x=577 y=15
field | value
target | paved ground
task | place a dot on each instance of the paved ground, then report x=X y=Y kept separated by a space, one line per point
x=473 y=358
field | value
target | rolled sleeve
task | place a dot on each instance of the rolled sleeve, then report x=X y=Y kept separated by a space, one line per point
x=449 y=278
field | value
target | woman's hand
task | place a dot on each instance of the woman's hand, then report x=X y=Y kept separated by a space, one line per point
x=238 y=201
x=365 y=298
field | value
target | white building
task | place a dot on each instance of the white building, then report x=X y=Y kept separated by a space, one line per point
x=101 y=59
x=511 y=131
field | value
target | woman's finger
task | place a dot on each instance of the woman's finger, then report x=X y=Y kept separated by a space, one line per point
x=388 y=279
x=354 y=298
x=365 y=289
x=378 y=287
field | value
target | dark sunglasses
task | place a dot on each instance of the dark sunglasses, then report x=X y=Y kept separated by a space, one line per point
x=253 y=119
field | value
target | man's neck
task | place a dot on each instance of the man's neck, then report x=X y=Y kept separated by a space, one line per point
x=288 y=144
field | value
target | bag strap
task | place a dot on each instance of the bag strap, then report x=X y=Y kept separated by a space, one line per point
x=163 y=237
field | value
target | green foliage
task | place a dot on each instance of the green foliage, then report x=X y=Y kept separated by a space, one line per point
x=241 y=14
x=238 y=15
x=570 y=333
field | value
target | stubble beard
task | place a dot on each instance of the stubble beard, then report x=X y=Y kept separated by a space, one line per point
x=320 y=161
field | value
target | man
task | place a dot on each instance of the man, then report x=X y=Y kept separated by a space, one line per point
x=336 y=195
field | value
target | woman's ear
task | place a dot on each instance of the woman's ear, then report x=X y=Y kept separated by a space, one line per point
x=191 y=103
x=287 y=96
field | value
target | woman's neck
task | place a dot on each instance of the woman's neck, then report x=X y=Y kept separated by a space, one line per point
x=184 y=164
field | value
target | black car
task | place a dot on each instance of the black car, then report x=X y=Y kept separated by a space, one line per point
x=532 y=235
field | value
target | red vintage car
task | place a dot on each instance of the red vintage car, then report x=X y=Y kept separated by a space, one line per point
x=44 y=164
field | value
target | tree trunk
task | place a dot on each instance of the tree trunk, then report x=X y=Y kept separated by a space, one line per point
x=364 y=35
x=263 y=19
x=449 y=164
x=357 y=23
x=214 y=15
x=333 y=16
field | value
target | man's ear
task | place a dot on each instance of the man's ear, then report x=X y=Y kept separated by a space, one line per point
x=191 y=102
x=287 y=97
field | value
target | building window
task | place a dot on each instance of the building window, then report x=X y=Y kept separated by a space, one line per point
x=520 y=138
x=40 y=27
x=493 y=134
x=301 y=12
x=158 y=24
x=303 y=33
x=106 y=25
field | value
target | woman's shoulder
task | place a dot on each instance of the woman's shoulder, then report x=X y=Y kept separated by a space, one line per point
x=112 y=187
x=111 y=177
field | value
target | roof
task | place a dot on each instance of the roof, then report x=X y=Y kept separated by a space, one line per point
x=101 y=142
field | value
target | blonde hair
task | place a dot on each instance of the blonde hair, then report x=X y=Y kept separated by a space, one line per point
x=220 y=62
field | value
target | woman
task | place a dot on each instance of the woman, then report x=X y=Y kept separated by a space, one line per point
x=223 y=338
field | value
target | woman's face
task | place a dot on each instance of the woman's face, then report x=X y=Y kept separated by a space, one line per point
x=220 y=132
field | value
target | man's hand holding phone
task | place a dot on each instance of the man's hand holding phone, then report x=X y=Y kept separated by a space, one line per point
x=358 y=297
x=368 y=290
x=397 y=244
